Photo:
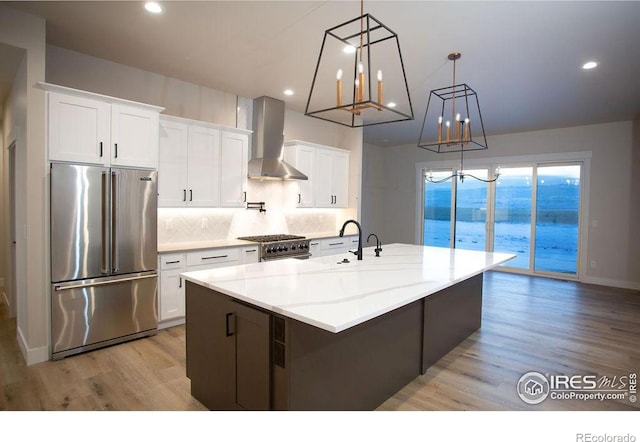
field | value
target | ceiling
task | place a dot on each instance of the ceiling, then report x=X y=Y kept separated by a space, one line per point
x=522 y=58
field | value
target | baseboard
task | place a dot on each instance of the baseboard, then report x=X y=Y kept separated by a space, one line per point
x=171 y=323
x=630 y=285
x=31 y=356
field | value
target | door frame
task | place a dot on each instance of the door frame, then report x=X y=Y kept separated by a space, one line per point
x=583 y=157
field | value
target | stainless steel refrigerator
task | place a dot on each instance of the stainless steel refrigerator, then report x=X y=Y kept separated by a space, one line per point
x=103 y=256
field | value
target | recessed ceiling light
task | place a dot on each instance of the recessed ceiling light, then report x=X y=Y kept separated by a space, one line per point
x=349 y=49
x=288 y=92
x=153 y=7
x=589 y=65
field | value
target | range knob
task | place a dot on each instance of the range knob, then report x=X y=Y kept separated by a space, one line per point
x=293 y=247
x=269 y=250
x=279 y=248
x=285 y=248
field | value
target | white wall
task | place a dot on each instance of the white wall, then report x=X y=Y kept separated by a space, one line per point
x=613 y=194
x=28 y=124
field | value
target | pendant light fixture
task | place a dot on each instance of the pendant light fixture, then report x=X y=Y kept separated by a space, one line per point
x=453 y=123
x=359 y=78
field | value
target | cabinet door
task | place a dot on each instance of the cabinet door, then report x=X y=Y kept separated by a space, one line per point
x=249 y=255
x=134 y=136
x=302 y=158
x=234 y=157
x=322 y=178
x=228 y=358
x=171 y=294
x=172 y=164
x=253 y=370
x=340 y=179
x=78 y=129
x=315 y=249
x=203 y=167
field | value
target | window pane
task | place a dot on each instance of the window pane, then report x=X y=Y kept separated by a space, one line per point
x=512 y=228
x=437 y=211
x=471 y=211
x=557 y=213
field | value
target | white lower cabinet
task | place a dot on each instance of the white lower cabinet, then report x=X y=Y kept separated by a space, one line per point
x=333 y=246
x=172 y=286
x=171 y=299
x=249 y=255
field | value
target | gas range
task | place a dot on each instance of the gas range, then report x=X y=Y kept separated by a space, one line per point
x=280 y=246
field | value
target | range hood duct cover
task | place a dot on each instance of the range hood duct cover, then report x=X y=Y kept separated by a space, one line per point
x=266 y=145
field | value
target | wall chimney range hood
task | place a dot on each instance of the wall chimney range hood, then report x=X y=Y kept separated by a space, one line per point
x=266 y=148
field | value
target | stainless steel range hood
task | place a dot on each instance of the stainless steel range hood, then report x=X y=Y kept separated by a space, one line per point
x=266 y=152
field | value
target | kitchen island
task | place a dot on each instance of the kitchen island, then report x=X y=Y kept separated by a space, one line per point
x=325 y=334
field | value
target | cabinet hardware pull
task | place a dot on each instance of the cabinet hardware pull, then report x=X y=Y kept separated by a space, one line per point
x=214 y=257
x=116 y=145
x=190 y=194
x=299 y=199
x=172 y=262
x=314 y=243
x=100 y=149
x=230 y=324
x=336 y=243
x=180 y=282
x=184 y=194
x=250 y=251
x=244 y=198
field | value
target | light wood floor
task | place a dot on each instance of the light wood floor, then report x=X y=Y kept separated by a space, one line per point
x=529 y=324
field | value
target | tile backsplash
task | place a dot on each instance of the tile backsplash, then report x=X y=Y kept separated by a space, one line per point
x=188 y=224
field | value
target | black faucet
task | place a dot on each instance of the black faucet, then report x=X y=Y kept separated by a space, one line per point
x=358 y=253
x=378 y=248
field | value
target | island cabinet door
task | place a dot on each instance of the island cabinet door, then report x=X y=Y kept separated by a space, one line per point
x=228 y=358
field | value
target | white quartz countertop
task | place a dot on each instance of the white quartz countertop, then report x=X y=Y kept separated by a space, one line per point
x=335 y=296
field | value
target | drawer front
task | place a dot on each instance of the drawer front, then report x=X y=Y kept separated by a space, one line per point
x=213 y=256
x=335 y=243
x=172 y=261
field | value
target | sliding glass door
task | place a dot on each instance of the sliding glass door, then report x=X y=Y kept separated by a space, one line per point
x=512 y=214
x=557 y=218
x=531 y=211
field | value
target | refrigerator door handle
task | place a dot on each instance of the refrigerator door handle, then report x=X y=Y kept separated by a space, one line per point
x=115 y=198
x=105 y=223
x=69 y=286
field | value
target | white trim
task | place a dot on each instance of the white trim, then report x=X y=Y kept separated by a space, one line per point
x=200 y=123
x=612 y=283
x=48 y=87
x=31 y=356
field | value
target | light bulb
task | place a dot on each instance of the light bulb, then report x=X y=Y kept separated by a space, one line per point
x=360 y=67
x=379 y=75
x=339 y=75
x=457 y=117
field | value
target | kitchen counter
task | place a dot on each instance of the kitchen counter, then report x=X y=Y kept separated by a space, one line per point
x=198 y=245
x=322 y=334
x=335 y=296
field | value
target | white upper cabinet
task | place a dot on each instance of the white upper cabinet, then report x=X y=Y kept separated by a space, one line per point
x=302 y=157
x=172 y=165
x=83 y=127
x=203 y=159
x=78 y=129
x=134 y=137
x=234 y=159
x=201 y=165
x=328 y=172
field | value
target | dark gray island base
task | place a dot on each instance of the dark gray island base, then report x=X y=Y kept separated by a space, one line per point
x=242 y=357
